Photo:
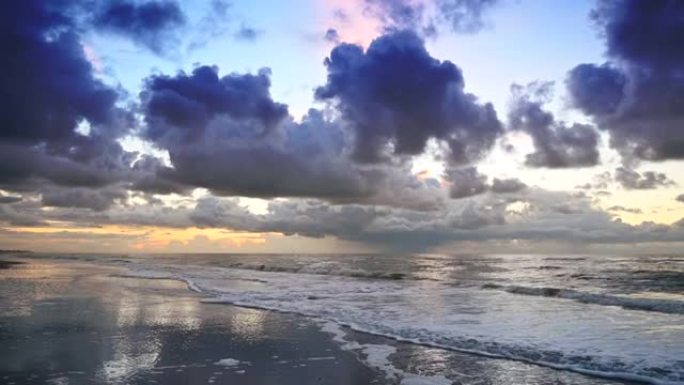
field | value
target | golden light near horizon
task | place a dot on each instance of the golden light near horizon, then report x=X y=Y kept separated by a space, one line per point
x=140 y=238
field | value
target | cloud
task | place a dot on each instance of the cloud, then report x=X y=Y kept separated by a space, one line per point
x=94 y=199
x=50 y=92
x=332 y=36
x=93 y=163
x=147 y=177
x=466 y=182
x=152 y=24
x=306 y=159
x=397 y=14
x=180 y=108
x=396 y=95
x=465 y=15
x=624 y=209
x=460 y=16
x=216 y=22
x=633 y=180
x=483 y=217
x=680 y=198
x=49 y=86
x=226 y=134
x=266 y=168
x=557 y=145
x=599 y=181
x=8 y=199
x=248 y=33
x=532 y=215
x=506 y=186
x=637 y=96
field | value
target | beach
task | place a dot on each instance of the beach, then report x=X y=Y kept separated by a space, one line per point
x=71 y=322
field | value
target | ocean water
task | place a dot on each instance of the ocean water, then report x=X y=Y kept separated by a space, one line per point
x=611 y=316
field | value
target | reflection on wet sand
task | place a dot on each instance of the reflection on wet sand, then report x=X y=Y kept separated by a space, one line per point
x=249 y=325
x=83 y=325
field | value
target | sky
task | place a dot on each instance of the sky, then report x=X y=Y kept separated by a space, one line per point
x=343 y=126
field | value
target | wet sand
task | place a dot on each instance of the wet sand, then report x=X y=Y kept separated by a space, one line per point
x=69 y=323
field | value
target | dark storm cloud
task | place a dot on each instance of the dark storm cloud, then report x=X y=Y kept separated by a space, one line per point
x=152 y=24
x=638 y=96
x=18 y=164
x=179 y=108
x=147 y=177
x=306 y=159
x=48 y=86
x=49 y=90
x=556 y=144
x=597 y=90
x=680 y=198
x=228 y=135
x=396 y=94
x=633 y=180
x=647 y=33
x=223 y=134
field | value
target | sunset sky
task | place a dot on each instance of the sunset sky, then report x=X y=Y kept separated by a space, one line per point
x=342 y=126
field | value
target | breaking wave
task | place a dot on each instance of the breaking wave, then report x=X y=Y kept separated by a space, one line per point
x=645 y=304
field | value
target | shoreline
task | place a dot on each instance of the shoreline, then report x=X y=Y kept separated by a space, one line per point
x=406 y=361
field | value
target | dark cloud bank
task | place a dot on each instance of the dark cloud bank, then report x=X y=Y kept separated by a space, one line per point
x=348 y=162
x=638 y=94
x=152 y=23
x=396 y=93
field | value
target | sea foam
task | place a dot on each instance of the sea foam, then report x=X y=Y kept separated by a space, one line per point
x=546 y=329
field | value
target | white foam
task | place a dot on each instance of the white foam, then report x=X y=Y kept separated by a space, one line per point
x=635 y=303
x=228 y=362
x=378 y=357
x=412 y=379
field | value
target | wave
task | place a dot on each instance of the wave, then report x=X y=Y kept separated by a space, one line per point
x=645 y=304
x=329 y=268
x=406 y=311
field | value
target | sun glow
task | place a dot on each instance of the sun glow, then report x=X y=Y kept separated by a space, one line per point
x=134 y=238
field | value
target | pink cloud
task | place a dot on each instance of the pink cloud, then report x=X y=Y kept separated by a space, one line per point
x=351 y=21
x=93 y=58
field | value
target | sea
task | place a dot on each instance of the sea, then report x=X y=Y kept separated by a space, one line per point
x=612 y=316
